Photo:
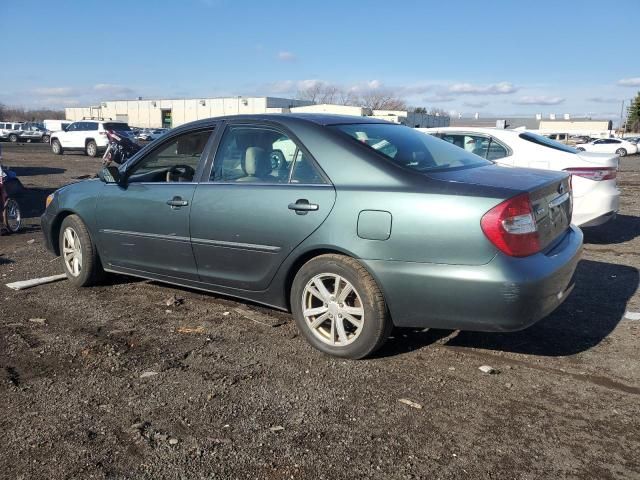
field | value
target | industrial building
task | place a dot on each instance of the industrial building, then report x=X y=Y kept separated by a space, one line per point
x=172 y=113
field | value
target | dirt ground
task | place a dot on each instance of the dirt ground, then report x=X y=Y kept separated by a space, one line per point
x=111 y=382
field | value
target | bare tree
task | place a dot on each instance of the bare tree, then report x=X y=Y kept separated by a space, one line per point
x=19 y=114
x=378 y=99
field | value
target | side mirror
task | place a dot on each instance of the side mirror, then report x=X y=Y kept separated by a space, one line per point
x=110 y=174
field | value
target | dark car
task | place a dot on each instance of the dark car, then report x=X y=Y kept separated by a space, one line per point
x=353 y=224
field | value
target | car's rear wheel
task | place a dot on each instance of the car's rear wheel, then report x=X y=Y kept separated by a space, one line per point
x=339 y=308
x=92 y=148
x=11 y=215
x=78 y=253
x=13 y=138
x=580 y=149
x=621 y=152
x=56 y=148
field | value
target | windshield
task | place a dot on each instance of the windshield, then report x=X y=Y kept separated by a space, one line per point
x=118 y=127
x=547 y=142
x=410 y=148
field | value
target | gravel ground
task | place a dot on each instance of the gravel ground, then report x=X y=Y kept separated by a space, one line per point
x=111 y=382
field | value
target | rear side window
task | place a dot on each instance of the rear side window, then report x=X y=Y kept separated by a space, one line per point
x=546 y=142
x=249 y=154
x=410 y=148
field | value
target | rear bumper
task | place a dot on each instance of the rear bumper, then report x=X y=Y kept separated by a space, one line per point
x=506 y=294
x=596 y=207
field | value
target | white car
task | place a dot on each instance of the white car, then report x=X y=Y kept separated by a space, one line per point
x=620 y=147
x=595 y=192
x=89 y=136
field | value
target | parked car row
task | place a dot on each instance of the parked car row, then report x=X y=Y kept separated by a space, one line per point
x=595 y=192
x=23 y=132
x=617 y=146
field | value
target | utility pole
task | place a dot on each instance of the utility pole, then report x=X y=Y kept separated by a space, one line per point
x=621 y=112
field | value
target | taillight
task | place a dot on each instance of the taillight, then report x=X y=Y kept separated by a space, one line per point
x=594 y=173
x=512 y=228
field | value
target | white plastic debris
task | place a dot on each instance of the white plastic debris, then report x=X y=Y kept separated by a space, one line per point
x=35 y=282
x=148 y=374
x=277 y=428
x=632 y=315
x=487 y=369
x=411 y=403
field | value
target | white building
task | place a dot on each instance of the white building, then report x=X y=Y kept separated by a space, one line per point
x=171 y=113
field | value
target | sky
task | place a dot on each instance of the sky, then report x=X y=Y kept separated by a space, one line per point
x=493 y=57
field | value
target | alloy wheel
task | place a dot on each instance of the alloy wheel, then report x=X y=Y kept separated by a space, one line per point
x=13 y=215
x=332 y=309
x=72 y=252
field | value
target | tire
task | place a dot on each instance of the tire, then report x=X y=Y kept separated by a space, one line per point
x=11 y=216
x=336 y=334
x=580 y=149
x=45 y=139
x=13 y=138
x=56 y=148
x=621 y=152
x=91 y=148
x=83 y=270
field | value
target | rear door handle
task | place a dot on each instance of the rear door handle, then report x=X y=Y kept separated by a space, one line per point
x=302 y=206
x=177 y=202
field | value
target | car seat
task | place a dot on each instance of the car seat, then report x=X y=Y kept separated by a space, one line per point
x=256 y=165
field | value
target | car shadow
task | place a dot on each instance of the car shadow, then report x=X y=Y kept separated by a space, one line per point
x=623 y=228
x=4 y=260
x=585 y=319
x=32 y=171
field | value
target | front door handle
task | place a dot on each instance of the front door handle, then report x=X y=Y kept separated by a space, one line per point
x=302 y=206
x=177 y=202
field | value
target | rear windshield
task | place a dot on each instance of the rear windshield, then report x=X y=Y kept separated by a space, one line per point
x=410 y=148
x=118 y=127
x=546 y=142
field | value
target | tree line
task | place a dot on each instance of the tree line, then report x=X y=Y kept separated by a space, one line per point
x=19 y=114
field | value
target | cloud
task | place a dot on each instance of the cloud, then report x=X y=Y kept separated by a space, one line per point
x=629 y=82
x=476 y=104
x=54 y=91
x=539 y=100
x=114 y=90
x=438 y=99
x=285 y=56
x=603 y=100
x=502 y=88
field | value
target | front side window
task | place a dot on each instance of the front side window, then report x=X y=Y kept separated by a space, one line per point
x=174 y=161
x=410 y=148
x=261 y=155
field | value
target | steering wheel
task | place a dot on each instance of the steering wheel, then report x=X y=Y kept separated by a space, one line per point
x=278 y=162
x=176 y=172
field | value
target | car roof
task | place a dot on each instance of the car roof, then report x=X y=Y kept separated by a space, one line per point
x=322 y=119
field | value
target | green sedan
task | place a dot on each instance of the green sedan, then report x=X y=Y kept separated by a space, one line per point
x=354 y=225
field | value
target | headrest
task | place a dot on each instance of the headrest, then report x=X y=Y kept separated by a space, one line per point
x=256 y=162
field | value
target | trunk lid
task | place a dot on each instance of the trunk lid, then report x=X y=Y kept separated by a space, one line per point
x=549 y=192
x=600 y=159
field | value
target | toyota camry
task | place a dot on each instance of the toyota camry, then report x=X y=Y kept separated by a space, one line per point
x=354 y=225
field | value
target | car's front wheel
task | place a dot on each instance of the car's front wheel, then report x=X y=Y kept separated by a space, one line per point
x=580 y=149
x=13 y=138
x=621 y=152
x=45 y=139
x=78 y=253
x=56 y=148
x=339 y=308
x=92 y=148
